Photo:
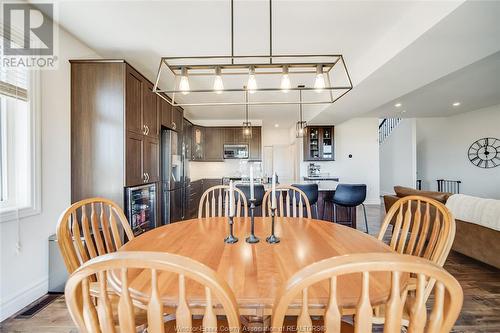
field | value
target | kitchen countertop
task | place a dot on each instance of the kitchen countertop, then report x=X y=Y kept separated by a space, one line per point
x=324 y=183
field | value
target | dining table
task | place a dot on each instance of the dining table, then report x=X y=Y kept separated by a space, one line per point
x=257 y=272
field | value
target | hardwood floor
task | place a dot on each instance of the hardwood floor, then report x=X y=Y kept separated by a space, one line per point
x=480 y=282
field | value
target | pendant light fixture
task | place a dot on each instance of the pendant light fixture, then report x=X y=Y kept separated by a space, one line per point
x=247 y=125
x=319 y=82
x=218 y=84
x=252 y=83
x=184 y=83
x=244 y=71
x=285 y=80
x=300 y=127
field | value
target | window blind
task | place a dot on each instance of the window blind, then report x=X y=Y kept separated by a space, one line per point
x=13 y=81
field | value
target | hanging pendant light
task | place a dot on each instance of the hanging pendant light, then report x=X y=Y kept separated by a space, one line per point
x=252 y=82
x=218 y=84
x=285 y=80
x=300 y=127
x=247 y=125
x=184 y=83
x=319 y=82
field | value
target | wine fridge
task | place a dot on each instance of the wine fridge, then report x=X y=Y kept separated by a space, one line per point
x=140 y=203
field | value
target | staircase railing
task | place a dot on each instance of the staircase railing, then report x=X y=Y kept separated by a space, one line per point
x=385 y=128
x=452 y=186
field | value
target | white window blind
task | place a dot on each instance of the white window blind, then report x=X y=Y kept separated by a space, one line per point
x=13 y=81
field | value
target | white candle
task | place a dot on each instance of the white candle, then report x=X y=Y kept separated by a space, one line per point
x=251 y=183
x=273 y=193
x=231 y=198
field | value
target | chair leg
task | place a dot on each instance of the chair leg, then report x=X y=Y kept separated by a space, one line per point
x=316 y=210
x=366 y=221
x=334 y=215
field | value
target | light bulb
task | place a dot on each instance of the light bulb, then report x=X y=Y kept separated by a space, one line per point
x=319 y=83
x=184 y=83
x=285 y=80
x=252 y=83
x=218 y=84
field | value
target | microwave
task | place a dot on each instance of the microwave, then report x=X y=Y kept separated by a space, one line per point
x=235 y=151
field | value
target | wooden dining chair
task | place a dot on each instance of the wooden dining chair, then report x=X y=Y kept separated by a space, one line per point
x=448 y=295
x=290 y=202
x=89 y=228
x=118 y=269
x=423 y=227
x=215 y=202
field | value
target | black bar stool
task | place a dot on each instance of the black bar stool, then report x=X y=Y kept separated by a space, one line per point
x=350 y=196
x=259 y=192
x=312 y=192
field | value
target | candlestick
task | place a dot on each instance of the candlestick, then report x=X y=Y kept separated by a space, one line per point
x=230 y=239
x=273 y=239
x=252 y=238
x=231 y=199
x=273 y=192
x=251 y=183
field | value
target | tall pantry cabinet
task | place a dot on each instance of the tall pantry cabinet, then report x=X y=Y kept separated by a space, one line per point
x=115 y=129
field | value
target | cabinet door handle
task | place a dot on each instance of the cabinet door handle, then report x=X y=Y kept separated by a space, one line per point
x=147 y=177
x=144 y=129
x=174 y=126
x=147 y=130
x=144 y=177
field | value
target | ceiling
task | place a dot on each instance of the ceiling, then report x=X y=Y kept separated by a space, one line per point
x=391 y=47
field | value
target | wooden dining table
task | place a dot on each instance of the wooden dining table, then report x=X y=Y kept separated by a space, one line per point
x=256 y=272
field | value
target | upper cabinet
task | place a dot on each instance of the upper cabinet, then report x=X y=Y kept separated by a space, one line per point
x=213 y=144
x=197 y=143
x=171 y=117
x=256 y=144
x=150 y=119
x=319 y=143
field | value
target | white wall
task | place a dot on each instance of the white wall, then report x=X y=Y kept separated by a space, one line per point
x=24 y=275
x=442 y=145
x=359 y=137
x=398 y=157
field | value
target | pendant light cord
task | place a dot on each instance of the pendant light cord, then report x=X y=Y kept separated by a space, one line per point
x=246 y=106
x=300 y=110
x=271 y=31
x=232 y=31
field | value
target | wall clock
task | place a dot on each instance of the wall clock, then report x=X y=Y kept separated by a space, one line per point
x=485 y=153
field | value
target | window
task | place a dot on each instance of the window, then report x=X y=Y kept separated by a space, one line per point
x=18 y=143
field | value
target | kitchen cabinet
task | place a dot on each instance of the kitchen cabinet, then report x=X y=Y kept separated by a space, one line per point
x=187 y=130
x=213 y=150
x=197 y=143
x=177 y=119
x=255 y=144
x=319 y=143
x=165 y=111
x=115 y=127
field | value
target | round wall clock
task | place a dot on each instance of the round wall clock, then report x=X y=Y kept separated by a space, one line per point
x=485 y=153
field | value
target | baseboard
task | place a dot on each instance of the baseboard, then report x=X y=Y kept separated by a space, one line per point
x=15 y=303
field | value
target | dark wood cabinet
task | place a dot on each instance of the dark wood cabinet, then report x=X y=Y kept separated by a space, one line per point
x=197 y=143
x=319 y=143
x=213 y=144
x=165 y=110
x=150 y=111
x=177 y=119
x=255 y=144
x=133 y=158
x=115 y=126
x=187 y=130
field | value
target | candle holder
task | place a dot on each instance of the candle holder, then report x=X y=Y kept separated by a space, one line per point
x=252 y=238
x=273 y=239
x=231 y=239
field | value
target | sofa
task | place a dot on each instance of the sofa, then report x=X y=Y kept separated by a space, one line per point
x=473 y=240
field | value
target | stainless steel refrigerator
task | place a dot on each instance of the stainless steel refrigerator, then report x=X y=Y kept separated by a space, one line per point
x=173 y=176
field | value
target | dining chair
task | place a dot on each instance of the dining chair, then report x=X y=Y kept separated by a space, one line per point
x=448 y=295
x=312 y=194
x=215 y=202
x=290 y=202
x=118 y=270
x=89 y=228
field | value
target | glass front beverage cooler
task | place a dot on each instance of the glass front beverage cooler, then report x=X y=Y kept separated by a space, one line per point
x=140 y=203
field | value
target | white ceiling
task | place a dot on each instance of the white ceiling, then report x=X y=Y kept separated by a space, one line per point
x=386 y=44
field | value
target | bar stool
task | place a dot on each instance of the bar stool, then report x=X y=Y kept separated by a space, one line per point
x=350 y=196
x=312 y=192
x=259 y=192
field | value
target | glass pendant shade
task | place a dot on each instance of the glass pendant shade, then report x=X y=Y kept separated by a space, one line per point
x=300 y=129
x=218 y=84
x=247 y=129
x=285 y=80
x=252 y=82
x=184 y=83
x=319 y=82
